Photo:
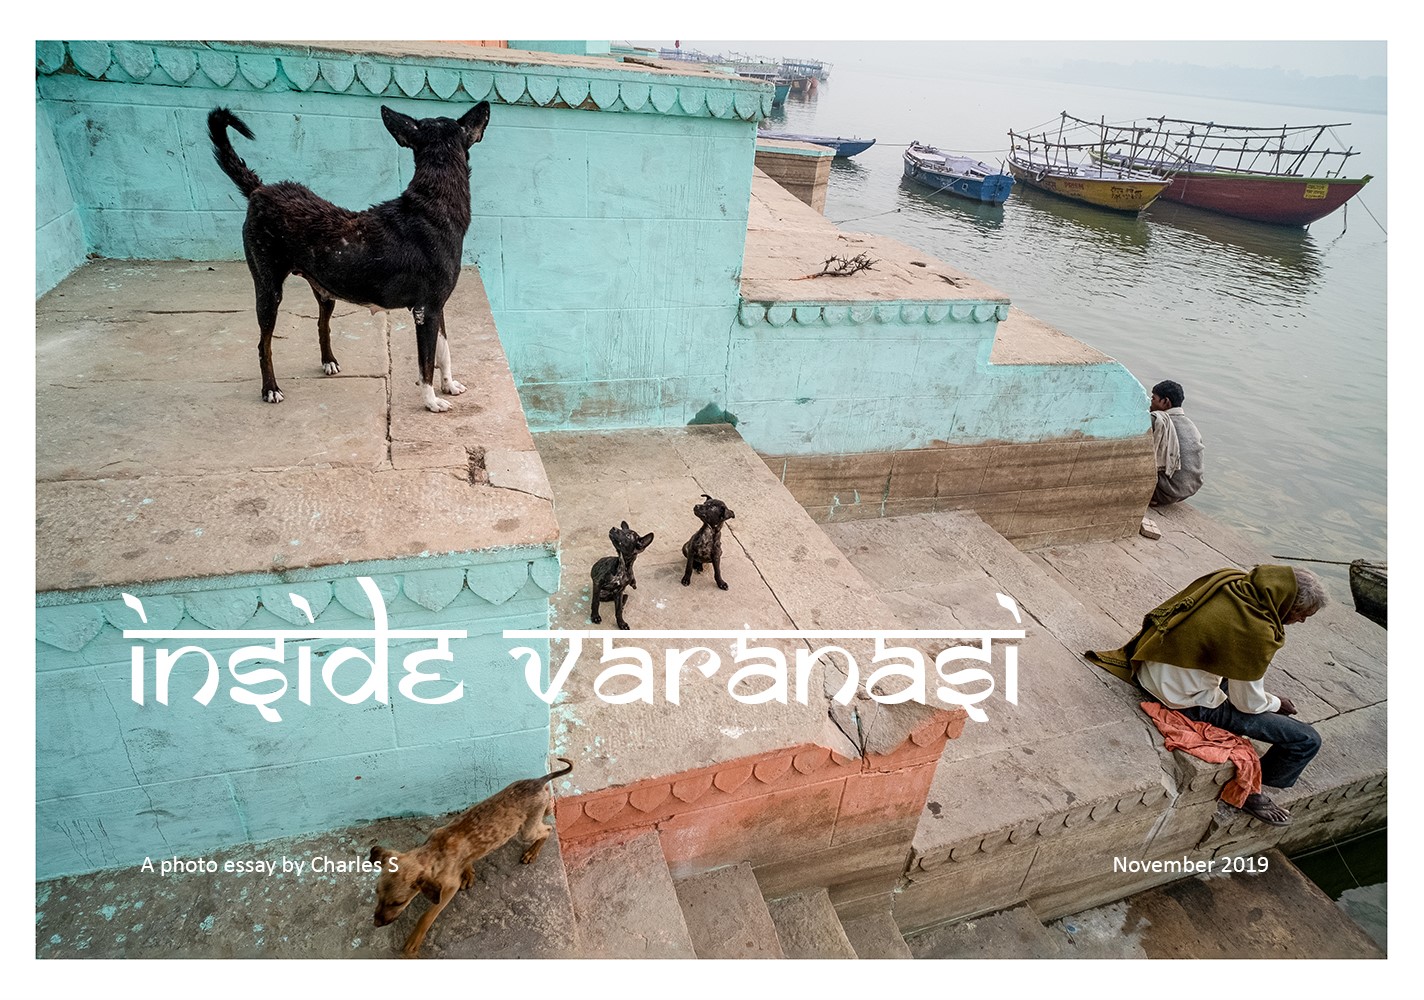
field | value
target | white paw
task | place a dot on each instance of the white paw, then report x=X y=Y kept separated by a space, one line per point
x=453 y=388
x=331 y=367
x=432 y=402
x=273 y=396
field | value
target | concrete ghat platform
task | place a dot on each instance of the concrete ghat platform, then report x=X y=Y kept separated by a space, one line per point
x=155 y=461
x=813 y=794
x=1036 y=804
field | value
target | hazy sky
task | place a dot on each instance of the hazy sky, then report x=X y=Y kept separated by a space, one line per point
x=1312 y=58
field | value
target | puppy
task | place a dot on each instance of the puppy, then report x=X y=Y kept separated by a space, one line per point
x=445 y=863
x=613 y=574
x=400 y=254
x=706 y=545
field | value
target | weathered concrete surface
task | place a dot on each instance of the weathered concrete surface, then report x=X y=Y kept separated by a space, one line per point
x=1276 y=913
x=156 y=458
x=624 y=900
x=782 y=573
x=726 y=916
x=808 y=927
x=785 y=243
x=512 y=910
x=875 y=936
x=1015 y=933
x=1035 y=804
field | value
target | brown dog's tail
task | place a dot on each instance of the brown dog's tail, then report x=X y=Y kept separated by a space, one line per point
x=558 y=774
x=219 y=120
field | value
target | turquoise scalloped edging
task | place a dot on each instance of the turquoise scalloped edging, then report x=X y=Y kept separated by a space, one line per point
x=225 y=66
x=778 y=314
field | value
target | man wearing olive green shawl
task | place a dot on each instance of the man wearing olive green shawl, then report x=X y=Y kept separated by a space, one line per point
x=1204 y=652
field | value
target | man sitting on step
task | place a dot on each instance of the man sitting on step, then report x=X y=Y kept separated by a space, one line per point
x=1178 y=445
x=1205 y=651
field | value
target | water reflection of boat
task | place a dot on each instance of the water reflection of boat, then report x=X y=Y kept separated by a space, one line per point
x=982 y=215
x=1287 y=248
x=1118 y=229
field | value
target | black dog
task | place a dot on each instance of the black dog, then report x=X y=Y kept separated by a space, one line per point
x=613 y=574
x=706 y=545
x=400 y=254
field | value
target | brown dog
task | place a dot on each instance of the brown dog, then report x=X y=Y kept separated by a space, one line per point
x=445 y=863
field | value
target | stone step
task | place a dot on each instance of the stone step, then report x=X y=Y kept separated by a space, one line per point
x=625 y=903
x=1272 y=912
x=1012 y=933
x=875 y=935
x=512 y=911
x=726 y=915
x=807 y=926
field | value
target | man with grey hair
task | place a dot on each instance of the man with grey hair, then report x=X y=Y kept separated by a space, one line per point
x=1204 y=652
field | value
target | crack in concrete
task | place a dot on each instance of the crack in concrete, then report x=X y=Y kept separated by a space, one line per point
x=153 y=809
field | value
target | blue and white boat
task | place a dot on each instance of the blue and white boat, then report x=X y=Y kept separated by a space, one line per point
x=961 y=175
x=842 y=146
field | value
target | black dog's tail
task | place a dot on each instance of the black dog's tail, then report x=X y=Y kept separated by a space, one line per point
x=219 y=119
x=558 y=774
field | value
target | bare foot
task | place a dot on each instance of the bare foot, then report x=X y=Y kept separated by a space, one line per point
x=1265 y=810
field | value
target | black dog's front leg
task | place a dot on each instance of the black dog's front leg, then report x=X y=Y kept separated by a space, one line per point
x=687 y=573
x=618 y=601
x=717 y=568
x=428 y=322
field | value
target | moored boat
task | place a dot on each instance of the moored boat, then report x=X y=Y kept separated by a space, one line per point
x=1369 y=585
x=957 y=174
x=1277 y=175
x=843 y=146
x=1061 y=165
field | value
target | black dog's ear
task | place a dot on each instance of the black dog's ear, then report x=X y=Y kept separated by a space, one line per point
x=474 y=122
x=645 y=541
x=402 y=128
x=730 y=515
x=625 y=525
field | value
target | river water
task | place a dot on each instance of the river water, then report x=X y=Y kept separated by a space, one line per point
x=1277 y=334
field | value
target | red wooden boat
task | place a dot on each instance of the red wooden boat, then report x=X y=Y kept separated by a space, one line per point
x=1274 y=175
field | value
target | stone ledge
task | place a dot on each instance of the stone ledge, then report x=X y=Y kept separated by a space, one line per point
x=442 y=71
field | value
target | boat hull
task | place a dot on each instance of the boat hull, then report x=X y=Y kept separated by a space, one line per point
x=842 y=147
x=1282 y=201
x=992 y=189
x=1130 y=195
x=1369 y=586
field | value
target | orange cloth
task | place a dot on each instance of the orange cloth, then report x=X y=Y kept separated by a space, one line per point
x=1212 y=744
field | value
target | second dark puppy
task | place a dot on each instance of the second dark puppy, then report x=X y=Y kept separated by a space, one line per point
x=400 y=254
x=706 y=545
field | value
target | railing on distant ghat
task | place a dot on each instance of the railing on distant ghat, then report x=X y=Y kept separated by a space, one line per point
x=396 y=72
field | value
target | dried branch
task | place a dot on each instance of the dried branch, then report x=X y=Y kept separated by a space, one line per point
x=841 y=267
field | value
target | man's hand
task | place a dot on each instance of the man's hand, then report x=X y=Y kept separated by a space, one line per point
x=1287 y=707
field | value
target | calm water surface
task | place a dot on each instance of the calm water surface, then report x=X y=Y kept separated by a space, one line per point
x=1277 y=334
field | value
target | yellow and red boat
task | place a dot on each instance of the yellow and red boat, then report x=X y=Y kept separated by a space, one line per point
x=1107 y=186
x=1063 y=164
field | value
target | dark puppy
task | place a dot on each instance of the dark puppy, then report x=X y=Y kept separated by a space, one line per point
x=445 y=863
x=613 y=574
x=400 y=254
x=706 y=545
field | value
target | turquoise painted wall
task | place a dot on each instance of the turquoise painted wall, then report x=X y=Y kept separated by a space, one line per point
x=59 y=232
x=880 y=376
x=573 y=48
x=117 y=781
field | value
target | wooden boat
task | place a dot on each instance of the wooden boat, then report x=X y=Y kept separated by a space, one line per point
x=1279 y=175
x=844 y=147
x=1060 y=165
x=1369 y=583
x=957 y=174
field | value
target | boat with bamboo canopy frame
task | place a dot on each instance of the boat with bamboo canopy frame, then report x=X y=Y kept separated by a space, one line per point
x=1073 y=164
x=1280 y=175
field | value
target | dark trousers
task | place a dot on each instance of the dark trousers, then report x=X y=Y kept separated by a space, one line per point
x=1294 y=744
